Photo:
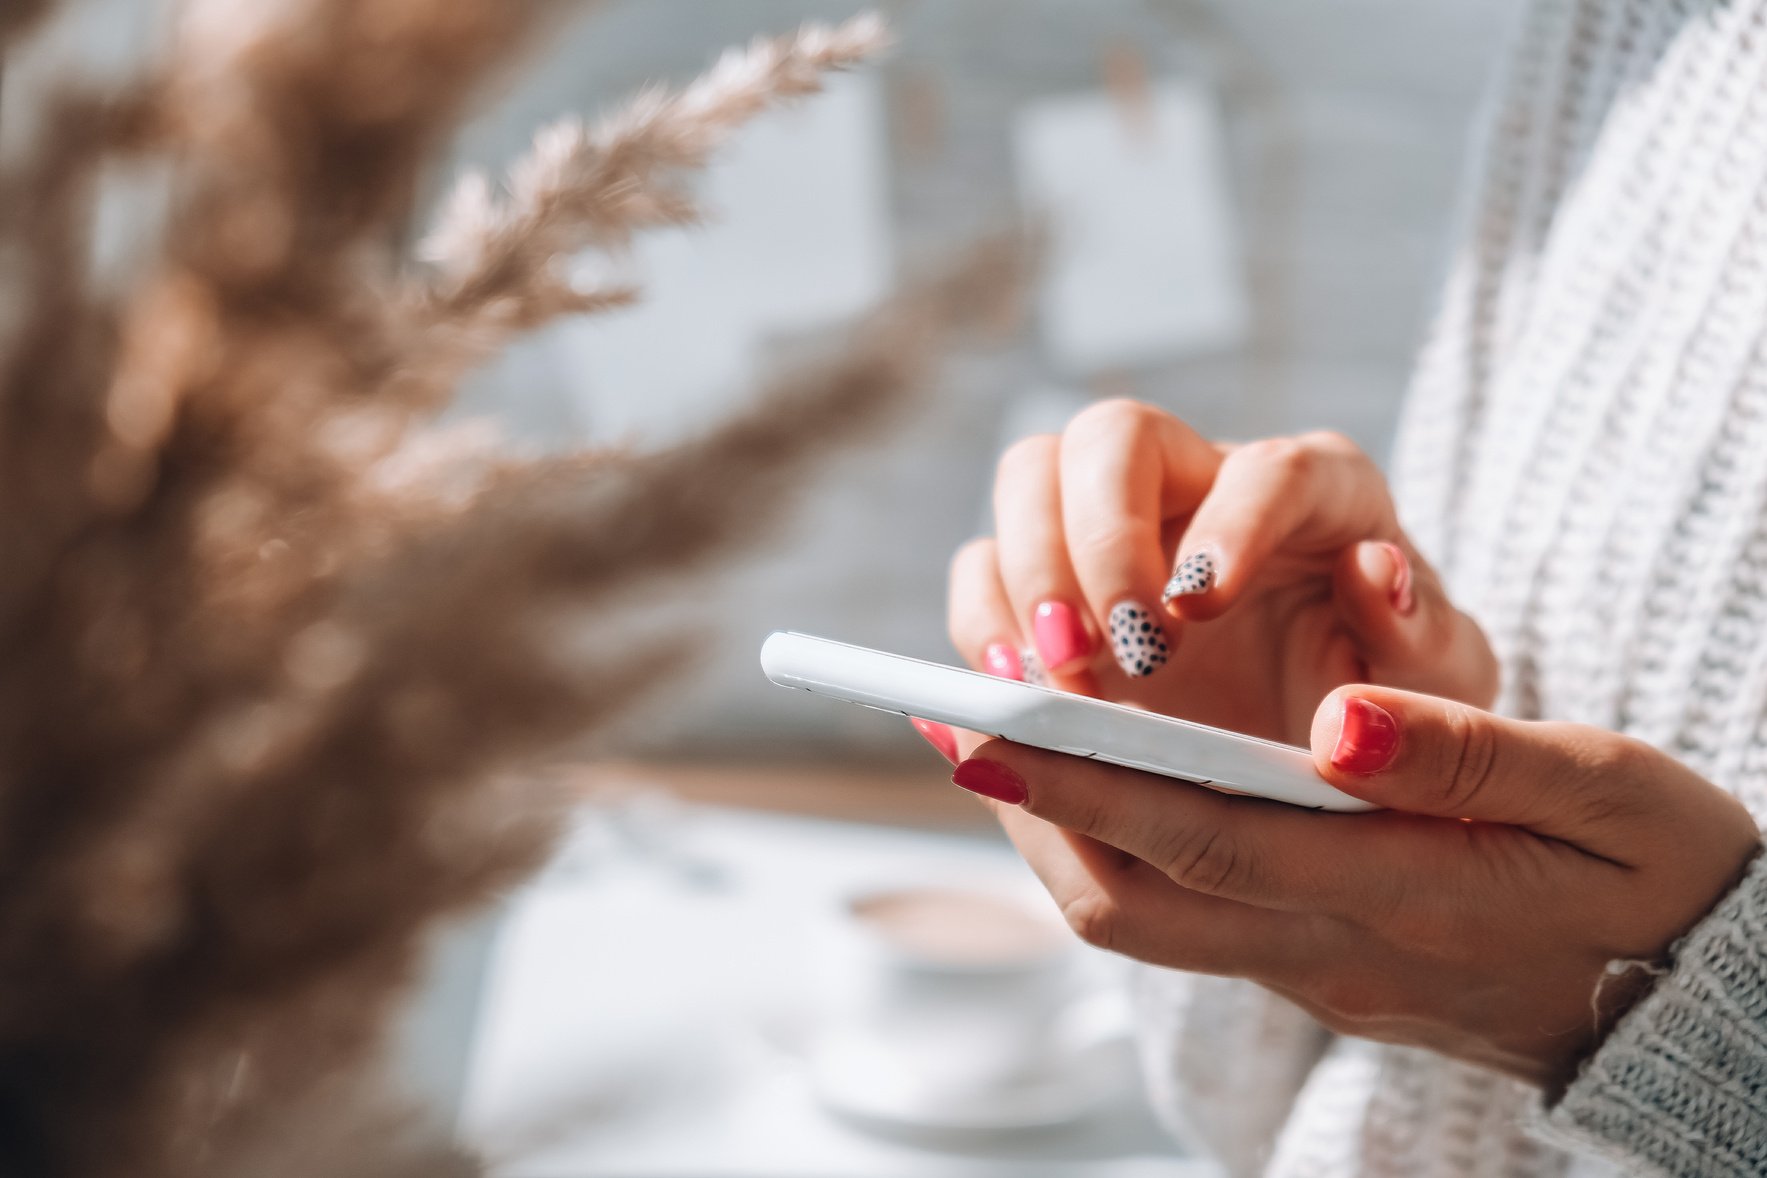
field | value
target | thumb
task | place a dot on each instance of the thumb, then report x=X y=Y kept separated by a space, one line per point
x=1404 y=627
x=1425 y=755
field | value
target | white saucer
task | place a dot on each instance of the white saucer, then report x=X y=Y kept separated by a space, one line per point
x=1050 y=1092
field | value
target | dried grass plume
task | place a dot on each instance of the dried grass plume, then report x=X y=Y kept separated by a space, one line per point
x=274 y=653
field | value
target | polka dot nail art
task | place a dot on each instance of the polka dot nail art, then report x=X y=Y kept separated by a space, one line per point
x=1137 y=640
x=1031 y=667
x=1193 y=575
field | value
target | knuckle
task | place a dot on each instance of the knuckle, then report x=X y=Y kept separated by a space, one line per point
x=1109 y=420
x=1077 y=810
x=1094 y=917
x=1204 y=860
x=1471 y=760
x=1610 y=756
x=972 y=557
x=973 y=560
x=1027 y=458
x=1103 y=541
x=1331 y=441
x=1291 y=459
x=1610 y=766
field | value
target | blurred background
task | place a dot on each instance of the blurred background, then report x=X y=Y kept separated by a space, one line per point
x=1249 y=202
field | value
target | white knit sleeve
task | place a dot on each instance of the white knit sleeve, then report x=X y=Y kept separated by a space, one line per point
x=1224 y=1060
x=1679 y=1087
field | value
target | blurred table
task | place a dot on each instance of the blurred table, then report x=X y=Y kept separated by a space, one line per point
x=639 y=997
x=914 y=798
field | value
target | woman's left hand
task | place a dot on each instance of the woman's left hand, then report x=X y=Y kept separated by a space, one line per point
x=1476 y=916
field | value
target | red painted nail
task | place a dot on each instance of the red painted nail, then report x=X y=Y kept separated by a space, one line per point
x=1368 y=739
x=1404 y=601
x=1003 y=660
x=991 y=779
x=1061 y=635
x=939 y=736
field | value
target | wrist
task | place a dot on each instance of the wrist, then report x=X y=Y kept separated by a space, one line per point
x=1625 y=983
x=1673 y=1088
x=1617 y=989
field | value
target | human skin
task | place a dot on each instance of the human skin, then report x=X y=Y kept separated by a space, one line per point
x=1315 y=582
x=1478 y=913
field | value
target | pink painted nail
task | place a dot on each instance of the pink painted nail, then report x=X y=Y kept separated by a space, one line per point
x=1368 y=740
x=991 y=779
x=1003 y=661
x=1060 y=634
x=939 y=736
x=1404 y=601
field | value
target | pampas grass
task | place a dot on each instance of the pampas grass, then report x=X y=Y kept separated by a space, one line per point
x=276 y=655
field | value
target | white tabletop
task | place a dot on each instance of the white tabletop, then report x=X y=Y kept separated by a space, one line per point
x=641 y=996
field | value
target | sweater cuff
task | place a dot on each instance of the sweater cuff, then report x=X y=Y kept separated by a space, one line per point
x=1679 y=1086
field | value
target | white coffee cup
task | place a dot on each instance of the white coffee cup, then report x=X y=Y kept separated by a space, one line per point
x=939 y=996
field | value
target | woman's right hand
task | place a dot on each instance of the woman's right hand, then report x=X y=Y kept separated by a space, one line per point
x=1518 y=886
x=1231 y=585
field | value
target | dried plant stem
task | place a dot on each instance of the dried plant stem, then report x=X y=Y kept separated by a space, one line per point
x=271 y=680
x=579 y=187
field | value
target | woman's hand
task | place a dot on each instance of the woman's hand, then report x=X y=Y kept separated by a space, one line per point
x=1476 y=917
x=1283 y=562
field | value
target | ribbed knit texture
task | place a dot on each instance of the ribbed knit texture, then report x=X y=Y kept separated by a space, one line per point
x=1584 y=457
x=1680 y=1084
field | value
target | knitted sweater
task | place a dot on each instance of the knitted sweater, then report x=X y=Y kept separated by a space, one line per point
x=1584 y=456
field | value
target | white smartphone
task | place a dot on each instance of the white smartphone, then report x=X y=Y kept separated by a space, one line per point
x=1050 y=719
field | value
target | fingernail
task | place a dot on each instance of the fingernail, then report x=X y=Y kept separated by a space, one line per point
x=1194 y=574
x=1368 y=739
x=939 y=736
x=991 y=779
x=1060 y=634
x=1031 y=668
x=1003 y=661
x=1137 y=640
x=1404 y=601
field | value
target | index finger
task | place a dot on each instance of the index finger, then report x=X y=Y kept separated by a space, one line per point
x=1127 y=471
x=1249 y=850
x=1302 y=499
x=1126 y=906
